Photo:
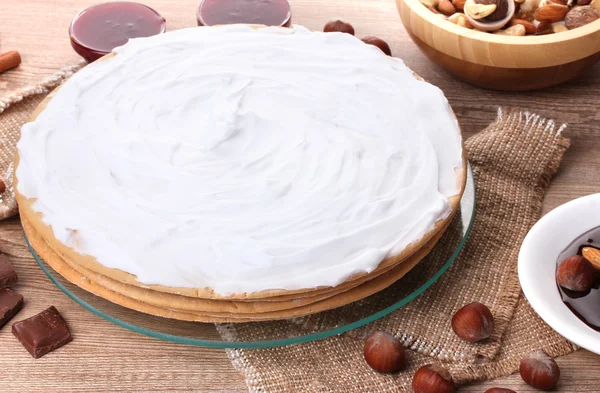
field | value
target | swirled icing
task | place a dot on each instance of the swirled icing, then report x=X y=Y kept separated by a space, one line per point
x=242 y=160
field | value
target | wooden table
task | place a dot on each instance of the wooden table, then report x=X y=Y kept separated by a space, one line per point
x=105 y=357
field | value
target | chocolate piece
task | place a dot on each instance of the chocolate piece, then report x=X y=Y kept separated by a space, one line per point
x=43 y=332
x=7 y=273
x=10 y=304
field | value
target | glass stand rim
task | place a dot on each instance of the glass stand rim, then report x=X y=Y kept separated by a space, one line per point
x=467 y=203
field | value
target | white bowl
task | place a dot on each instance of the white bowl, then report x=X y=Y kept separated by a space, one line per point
x=537 y=266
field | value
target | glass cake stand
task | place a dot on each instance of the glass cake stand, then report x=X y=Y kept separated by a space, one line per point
x=295 y=330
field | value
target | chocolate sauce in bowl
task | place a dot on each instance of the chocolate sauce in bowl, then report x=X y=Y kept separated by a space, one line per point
x=585 y=305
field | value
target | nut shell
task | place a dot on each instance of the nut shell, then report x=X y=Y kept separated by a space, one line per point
x=540 y=371
x=433 y=379
x=575 y=273
x=384 y=353
x=474 y=322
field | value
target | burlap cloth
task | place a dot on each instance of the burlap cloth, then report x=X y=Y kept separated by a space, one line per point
x=513 y=161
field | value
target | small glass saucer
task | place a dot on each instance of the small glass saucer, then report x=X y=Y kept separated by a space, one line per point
x=314 y=327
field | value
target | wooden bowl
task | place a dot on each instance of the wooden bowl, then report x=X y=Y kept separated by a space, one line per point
x=501 y=62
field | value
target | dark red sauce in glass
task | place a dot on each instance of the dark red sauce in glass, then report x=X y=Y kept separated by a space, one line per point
x=585 y=305
x=255 y=12
x=99 y=29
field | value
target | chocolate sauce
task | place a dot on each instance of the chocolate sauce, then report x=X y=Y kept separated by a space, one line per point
x=585 y=305
x=254 y=12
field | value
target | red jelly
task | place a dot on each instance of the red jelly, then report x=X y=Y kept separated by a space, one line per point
x=97 y=30
x=254 y=12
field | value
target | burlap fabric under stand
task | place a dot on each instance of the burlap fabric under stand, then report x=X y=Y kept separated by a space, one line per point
x=513 y=161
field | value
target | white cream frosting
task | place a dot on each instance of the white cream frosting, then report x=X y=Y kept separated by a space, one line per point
x=242 y=160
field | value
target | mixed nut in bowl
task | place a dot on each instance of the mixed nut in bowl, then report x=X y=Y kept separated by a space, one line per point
x=512 y=45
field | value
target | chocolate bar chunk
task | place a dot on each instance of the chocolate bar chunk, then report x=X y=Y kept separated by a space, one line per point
x=10 y=304
x=7 y=273
x=43 y=332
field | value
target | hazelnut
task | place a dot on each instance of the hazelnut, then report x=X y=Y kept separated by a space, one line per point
x=433 y=379
x=384 y=353
x=540 y=371
x=378 y=42
x=580 y=16
x=338 y=26
x=2 y=186
x=474 y=322
x=499 y=390
x=575 y=273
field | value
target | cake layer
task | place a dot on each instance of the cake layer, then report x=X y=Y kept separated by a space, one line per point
x=149 y=304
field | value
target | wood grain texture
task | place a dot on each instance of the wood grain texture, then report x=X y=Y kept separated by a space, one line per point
x=104 y=357
x=507 y=79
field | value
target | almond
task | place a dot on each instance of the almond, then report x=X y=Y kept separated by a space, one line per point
x=446 y=7
x=459 y=4
x=593 y=255
x=516 y=30
x=529 y=27
x=551 y=12
x=479 y=11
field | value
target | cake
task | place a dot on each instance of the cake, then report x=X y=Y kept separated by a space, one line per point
x=237 y=164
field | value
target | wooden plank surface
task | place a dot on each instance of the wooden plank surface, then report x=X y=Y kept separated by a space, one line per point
x=105 y=357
